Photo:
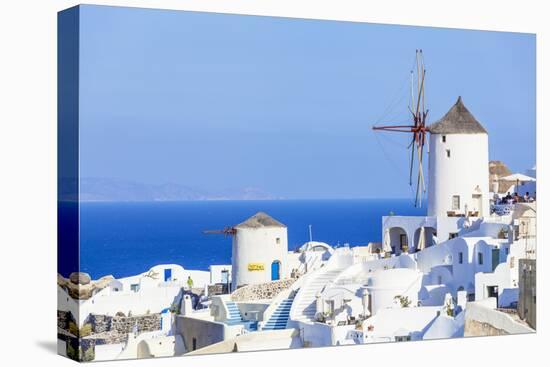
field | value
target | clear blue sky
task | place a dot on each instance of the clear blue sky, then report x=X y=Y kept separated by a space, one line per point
x=286 y=105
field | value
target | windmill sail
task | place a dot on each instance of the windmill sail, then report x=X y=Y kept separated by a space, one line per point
x=417 y=128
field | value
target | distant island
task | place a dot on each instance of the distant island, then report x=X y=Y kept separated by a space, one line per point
x=112 y=189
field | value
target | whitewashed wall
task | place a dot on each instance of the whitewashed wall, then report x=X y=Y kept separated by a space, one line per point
x=385 y=285
x=459 y=174
x=258 y=246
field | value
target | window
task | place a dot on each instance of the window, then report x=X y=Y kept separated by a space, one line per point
x=456 y=202
x=453 y=235
x=134 y=287
x=194 y=343
x=278 y=240
x=460 y=257
x=448 y=153
x=480 y=258
x=167 y=275
x=444 y=138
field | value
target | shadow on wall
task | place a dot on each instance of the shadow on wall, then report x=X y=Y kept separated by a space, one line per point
x=48 y=345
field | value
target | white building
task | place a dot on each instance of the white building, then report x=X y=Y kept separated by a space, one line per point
x=259 y=253
x=458 y=165
x=153 y=291
x=458 y=183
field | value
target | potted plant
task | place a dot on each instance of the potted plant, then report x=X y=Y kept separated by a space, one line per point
x=404 y=301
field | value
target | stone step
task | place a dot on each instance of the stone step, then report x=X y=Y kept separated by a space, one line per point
x=278 y=317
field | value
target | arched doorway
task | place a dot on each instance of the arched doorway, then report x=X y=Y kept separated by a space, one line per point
x=399 y=240
x=276 y=270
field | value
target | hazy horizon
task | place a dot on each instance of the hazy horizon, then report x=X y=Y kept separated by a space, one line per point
x=112 y=193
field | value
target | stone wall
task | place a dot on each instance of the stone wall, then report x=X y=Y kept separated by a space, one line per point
x=144 y=323
x=527 y=303
x=217 y=289
x=100 y=323
x=477 y=328
x=64 y=318
x=115 y=329
x=108 y=337
x=482 y=319
x=125 y=324
x=261 y=291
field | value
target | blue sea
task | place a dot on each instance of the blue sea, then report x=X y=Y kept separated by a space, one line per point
x=125 y=239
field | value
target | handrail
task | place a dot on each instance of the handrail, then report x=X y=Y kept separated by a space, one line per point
x=307 y=266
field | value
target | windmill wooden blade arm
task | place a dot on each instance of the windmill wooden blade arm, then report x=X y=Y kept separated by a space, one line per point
x=411 y=162
x=225 y=231
x=412 y=112
x=396 y=128
x=421 y=91
x=420 y=185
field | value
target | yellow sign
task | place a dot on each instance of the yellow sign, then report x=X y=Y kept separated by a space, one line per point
x=255 y=267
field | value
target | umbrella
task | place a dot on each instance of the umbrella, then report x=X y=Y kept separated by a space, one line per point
x=421 y=239
x=518 y=178
x=386 y=245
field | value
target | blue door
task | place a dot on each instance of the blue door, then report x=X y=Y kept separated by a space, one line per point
x=167 y=275
x=275 y=270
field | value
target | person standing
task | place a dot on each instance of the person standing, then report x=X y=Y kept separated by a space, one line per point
x=189 y=282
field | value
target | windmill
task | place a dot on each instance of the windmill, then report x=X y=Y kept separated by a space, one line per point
x=417 y=127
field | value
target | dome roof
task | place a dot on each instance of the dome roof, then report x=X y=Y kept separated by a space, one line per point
x=457 y=121
x=315 y=244
x=259 y=220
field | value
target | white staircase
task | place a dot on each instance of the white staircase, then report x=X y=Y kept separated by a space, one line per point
x=304 y=305
x=279 y=318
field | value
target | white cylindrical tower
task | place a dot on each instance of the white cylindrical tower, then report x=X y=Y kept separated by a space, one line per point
x=259 y=254
x=458 y=165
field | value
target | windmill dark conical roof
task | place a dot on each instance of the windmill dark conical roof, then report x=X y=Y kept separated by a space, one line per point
x=457 y=121
x=259 y=220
